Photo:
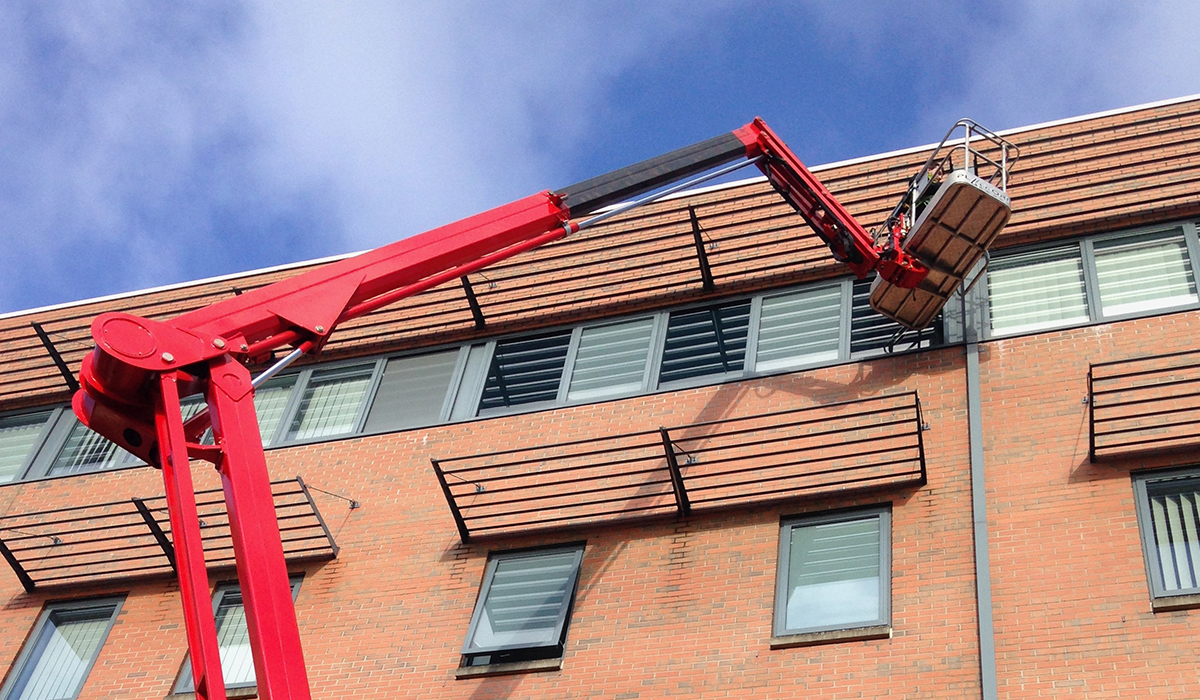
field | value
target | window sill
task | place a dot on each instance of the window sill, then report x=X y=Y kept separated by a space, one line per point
x=809 y=639
x=1175 y=602
x=231 y=693
x=509 y=668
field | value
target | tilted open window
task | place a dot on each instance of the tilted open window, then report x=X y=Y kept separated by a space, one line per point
x=523 y=606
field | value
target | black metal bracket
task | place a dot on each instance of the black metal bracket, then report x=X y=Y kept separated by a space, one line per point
x=159 y=536
x=463 y=533
x=22 y=576
x=473 y=302
x=681 y=497
x=701 y=253
x=65 y=371
x=317 y=512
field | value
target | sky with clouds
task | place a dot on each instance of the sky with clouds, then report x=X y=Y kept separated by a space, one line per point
x=145 y=144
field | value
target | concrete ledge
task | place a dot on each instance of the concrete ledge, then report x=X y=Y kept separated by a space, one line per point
x=809 y=639
x=1175 y=602
x=508 y=669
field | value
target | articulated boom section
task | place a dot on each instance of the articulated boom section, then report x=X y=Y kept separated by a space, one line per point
x=133 y=380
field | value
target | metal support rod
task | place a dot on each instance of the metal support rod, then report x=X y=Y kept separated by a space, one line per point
x=681 y=497
x=650 y=198
x=26 y=582
x=463 y=533
x=72 y=383
x=473 y=302
x=701 y=254
x=320 y=521
x=277 y=367
x=159 y=536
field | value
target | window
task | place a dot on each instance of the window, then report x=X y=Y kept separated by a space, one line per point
x=1169 y=517
x=799 y=328
x=86 y=451
x=874 y=334
x=834 y=573
x=525 y=371
x=59 y=654
x=523 y=606
x=705 y=342
x=412 y=391
x=1094 y=279
x=611 y=360
x=1042 y=289
x=19 y=438
x=233 y=640
x=1143 y=273
x=332 y=402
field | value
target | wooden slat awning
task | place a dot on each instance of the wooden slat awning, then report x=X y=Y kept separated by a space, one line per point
x=670 y=472
x=1144 y=404
x=121 y=540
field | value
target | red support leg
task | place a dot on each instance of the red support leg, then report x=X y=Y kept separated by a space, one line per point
x=262 y=572
x=189 y=552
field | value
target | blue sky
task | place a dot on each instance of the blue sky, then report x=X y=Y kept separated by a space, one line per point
x=143 y=145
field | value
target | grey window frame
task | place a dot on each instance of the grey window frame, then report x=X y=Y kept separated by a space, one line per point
x=564 y=617
x=1086 y=248
x=38 y=458
x=884 y=514
x=39 y=626
x=1141 y=482
x=219 y=592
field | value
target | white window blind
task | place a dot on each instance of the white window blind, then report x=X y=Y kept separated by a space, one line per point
x=1040 y=289
x=87 y=451
x=18 y=435
x=834 y=575
x=412 y=391
x=524 y=602
x=331 y=402
x=611 y=360
x=62 y=653
x=270 y=401
x=1175 y=516
x=799 y=328
x=1142 y=274
x=233 y=641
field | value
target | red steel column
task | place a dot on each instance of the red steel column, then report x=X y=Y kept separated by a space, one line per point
x=262 y=572
x=189 y=551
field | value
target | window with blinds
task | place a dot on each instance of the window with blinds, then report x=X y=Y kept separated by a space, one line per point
x=834 y=573
x=412 y=391
x=60 y=652
x=270 y=402
x=1143 y=273
x=800 y=328
x=525 y=371
x=523 y=606
x=332 y=402
x=19 y=435
x=87 y=451
x=1169 y=511
x=233 y=641
x=1036 y=290
x=705 y=342
x=872 y=333
x=611 y=360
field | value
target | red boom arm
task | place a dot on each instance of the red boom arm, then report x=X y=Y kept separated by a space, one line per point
x=133 y=380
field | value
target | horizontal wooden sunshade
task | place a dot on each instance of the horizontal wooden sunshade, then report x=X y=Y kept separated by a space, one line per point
x=120 y=540
x=1146 y=404
x=671 y=472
